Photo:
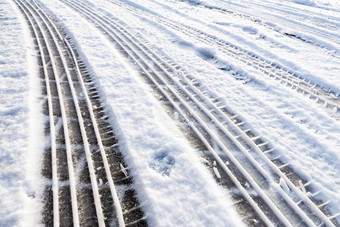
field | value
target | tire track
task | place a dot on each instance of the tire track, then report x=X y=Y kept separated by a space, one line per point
x=83 y=164
x=325 y=97
x=269 y=192
x=274 y=27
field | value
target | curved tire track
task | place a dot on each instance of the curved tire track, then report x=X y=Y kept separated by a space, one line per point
x=277 y=198
x=82 y=162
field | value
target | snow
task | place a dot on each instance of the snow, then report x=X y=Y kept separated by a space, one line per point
x=173 y=183
x=19 y=153
x=304 y=135
x=318 y=3
x=162 y=162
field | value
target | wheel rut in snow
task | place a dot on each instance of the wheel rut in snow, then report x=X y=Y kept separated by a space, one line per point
x=86 y=180
x=268 y=190
x=275 y=27
x=328 y=99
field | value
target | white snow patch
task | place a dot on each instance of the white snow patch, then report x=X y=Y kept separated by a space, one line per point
x=21 y=123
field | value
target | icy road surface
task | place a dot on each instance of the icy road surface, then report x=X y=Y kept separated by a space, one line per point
x=169 y=113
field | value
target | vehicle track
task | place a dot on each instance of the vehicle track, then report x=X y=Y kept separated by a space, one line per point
x=318 y=19
x=83 y=167
x=327 y=99
x=274 y=27
x=273 y=195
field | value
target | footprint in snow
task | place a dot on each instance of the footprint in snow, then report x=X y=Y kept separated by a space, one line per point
x=162 y=163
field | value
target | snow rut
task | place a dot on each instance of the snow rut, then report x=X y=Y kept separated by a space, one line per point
x=315 y=28
x=328 y=99
x=83 y=167
x=267 y=190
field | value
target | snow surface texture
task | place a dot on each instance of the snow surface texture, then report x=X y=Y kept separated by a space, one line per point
x=171 y=181
x=306 y=136
x=303 y=133
x=325 y=3
x=162 y=161
x=19 y=164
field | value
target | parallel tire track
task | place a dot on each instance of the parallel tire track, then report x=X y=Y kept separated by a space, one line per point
x=274 y=27
x=327 y=98
x=243 y=157
x=83 y=165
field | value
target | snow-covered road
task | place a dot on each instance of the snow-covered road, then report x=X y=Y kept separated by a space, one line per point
x=178 y=113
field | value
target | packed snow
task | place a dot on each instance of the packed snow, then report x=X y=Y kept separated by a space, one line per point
x=173 y=184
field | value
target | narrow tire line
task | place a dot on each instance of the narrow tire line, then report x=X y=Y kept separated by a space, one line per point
x=94 y=184
x=96 y=128
x=71 y=175
x=89 y=159
x=55 y=187
x=114 y=194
